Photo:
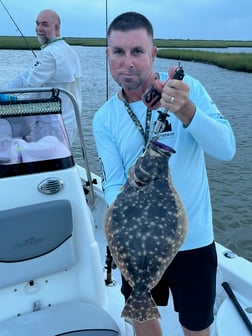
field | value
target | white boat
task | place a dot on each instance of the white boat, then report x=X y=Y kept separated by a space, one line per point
x=56 y=273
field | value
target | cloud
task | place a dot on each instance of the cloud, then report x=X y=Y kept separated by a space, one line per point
x=192 y=19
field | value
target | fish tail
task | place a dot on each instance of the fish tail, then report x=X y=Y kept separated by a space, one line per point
x=140 y=308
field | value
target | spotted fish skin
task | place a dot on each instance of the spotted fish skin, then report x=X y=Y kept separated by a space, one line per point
x=145 y=227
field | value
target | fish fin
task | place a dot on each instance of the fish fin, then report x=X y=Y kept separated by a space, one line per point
x=140 y=307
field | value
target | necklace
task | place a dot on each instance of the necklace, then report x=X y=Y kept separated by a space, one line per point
x=145 y=133
x=51 y=41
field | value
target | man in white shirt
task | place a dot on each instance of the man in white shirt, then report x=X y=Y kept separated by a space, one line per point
x=57 y=65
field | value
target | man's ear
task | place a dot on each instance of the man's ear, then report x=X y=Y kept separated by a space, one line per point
x=57 y=29
x=154 y=53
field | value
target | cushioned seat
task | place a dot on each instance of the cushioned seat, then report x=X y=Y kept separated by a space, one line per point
x=75 y=318
x=35 y=240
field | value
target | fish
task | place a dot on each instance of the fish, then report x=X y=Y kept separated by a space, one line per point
x=145 y=227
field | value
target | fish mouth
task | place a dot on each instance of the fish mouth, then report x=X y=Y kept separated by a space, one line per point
x=133 y=180
x=164 y=147
x=136 y=183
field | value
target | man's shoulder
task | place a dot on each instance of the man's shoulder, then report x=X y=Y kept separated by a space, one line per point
x=111 y=102
x=59 y=49
x=57 y=45
x=108 y=108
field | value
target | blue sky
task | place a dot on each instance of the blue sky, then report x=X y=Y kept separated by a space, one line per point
x=175 y=19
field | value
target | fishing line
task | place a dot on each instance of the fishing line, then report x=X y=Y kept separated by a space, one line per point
x=27 y=43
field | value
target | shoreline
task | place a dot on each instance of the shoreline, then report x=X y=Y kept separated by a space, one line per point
x=175 y=49
x=231 y=61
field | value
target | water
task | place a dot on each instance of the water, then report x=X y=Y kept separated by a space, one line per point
x=230 y=182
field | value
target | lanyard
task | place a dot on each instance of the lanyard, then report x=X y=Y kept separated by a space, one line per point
x=54 y=40
x=136 y=121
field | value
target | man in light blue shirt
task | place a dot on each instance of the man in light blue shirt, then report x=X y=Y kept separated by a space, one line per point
x=196 y=127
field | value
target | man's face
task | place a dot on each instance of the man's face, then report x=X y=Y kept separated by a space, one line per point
x=47 y=27
x=131 y=55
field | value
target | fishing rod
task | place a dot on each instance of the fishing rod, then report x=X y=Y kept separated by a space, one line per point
x=106 y=28
x=237 y=305
x=27 y=43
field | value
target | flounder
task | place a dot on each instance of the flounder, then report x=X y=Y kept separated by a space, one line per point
x=145 y=227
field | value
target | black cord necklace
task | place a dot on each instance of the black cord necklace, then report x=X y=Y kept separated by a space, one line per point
x=145 y=133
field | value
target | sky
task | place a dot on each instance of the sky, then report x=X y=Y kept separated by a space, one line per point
x=171 y=19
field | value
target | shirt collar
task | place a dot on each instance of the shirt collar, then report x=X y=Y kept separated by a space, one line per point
x=54 y=40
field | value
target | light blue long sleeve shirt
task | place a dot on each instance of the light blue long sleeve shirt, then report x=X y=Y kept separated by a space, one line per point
x=119 y=143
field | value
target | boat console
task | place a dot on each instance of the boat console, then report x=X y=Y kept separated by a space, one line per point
x=52 y=280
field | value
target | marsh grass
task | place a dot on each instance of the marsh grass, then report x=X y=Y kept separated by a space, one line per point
x=31 y=42
x=18 y=42
x=201 y=44
x=237 y=61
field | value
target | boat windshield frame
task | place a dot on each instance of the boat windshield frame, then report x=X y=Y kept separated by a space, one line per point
x=33 y=138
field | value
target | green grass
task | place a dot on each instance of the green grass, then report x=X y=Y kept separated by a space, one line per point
x=235 y=61
x=31 y=42
x=14 y=42
x=18 y=42
x=201 y=43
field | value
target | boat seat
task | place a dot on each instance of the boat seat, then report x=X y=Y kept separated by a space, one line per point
x=35 y=240
x=75 y=319
x=229 y=322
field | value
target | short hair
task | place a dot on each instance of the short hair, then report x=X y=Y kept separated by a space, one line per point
x=53 y=14
x=129 y=21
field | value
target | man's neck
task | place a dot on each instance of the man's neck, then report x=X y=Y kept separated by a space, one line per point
x=136 y=95
x=130 y=95
x=51 y=41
